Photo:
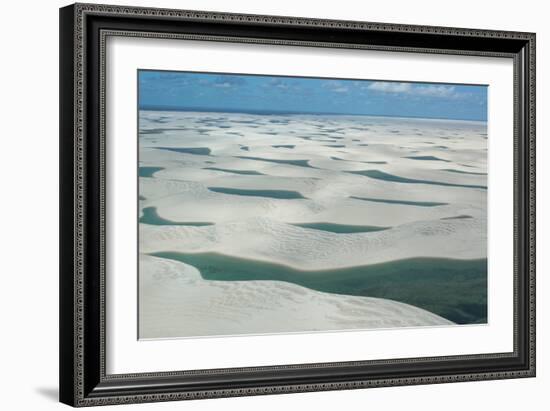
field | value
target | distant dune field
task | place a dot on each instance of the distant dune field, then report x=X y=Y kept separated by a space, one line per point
x=253 y=224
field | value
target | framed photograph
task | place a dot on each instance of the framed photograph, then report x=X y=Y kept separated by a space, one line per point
x=261 y=204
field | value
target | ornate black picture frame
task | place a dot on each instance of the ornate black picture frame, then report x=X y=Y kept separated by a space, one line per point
x=83 y=31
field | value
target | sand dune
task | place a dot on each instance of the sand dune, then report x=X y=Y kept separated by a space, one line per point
x=309 y=249
x=175 y=301
x=259 y=187
x=323 y=203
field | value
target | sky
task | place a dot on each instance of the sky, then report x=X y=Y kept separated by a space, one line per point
x=253 y=93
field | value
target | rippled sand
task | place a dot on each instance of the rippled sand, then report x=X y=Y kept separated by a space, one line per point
x=259 y=187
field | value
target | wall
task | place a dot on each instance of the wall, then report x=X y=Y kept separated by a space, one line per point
x=29 y=206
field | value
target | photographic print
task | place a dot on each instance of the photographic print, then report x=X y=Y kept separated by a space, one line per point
x=284 y=204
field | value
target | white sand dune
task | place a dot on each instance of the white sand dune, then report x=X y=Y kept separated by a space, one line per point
x=308 y=249
x=176 y=302
x=423 y=180
x=329 y=203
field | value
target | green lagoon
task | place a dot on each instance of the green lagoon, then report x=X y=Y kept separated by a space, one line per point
x=299 y=163
x=403 y=202
x=151 y=217
x=380 y=175
x=199 y=151
x=450 y=170
x=148 y=171
x=427 y=158
x=454 y=289
x=279 y=194
x=341 y=228
x=242 y=172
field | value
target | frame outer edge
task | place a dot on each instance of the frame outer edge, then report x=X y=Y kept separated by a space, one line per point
x=198 y=15
x=532 y=201
x=72 y=138
x=79 y=36
x=67 y=330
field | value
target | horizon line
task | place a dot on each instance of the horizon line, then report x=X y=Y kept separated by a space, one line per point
x=148 y=107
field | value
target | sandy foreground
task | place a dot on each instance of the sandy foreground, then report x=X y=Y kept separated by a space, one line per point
x=422 y=182
x=178 y=302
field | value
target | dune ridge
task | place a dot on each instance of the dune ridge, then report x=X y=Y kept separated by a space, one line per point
x=299 y=190
x=179 y=303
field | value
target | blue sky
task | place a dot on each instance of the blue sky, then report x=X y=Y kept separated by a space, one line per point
x=229 y=92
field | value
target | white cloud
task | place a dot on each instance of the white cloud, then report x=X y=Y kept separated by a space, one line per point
x=223 y=85
x=336 y=87
x=390 y=87
x=438 y=91
x=227 y=81
x=340 y=89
